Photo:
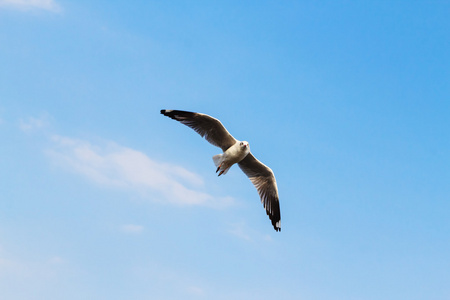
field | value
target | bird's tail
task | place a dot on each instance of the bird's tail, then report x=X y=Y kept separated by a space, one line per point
x=217 y=159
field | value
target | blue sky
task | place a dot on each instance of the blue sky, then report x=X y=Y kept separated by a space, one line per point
x=103 y=198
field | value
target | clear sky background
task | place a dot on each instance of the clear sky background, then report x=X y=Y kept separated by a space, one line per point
x=101 y=197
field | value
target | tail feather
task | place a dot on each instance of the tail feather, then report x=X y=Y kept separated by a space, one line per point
x=224 y=171
x=217 y=159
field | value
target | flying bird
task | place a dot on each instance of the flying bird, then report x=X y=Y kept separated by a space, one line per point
x=234 y=151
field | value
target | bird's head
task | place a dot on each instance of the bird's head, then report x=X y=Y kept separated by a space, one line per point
x=245 y=146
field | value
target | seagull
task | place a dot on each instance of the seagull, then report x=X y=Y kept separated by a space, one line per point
x=234 y=151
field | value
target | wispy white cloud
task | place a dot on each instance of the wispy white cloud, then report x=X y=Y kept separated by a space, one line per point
x=239 y=230
x=13 y=267
x=196 y=290
x=244 y=232
x=113 y=165
x=9 y=267
x=49 y=5
x=31 y=124
x=56 y=260
x=132 y=228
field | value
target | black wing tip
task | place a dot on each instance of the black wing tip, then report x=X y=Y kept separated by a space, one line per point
x=276 y=225
x=166 y=112
x=275 y=218
x=171 y=113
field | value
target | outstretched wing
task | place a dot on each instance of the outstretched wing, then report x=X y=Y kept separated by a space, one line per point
x=263 y=179
x=207 y=126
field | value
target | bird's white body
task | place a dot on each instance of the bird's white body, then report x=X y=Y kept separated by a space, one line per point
x=232 y=155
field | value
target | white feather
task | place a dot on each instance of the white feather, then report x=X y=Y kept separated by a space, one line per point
x=217 y=159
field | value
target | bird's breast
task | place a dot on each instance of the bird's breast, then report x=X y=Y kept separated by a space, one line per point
x=235 y=154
